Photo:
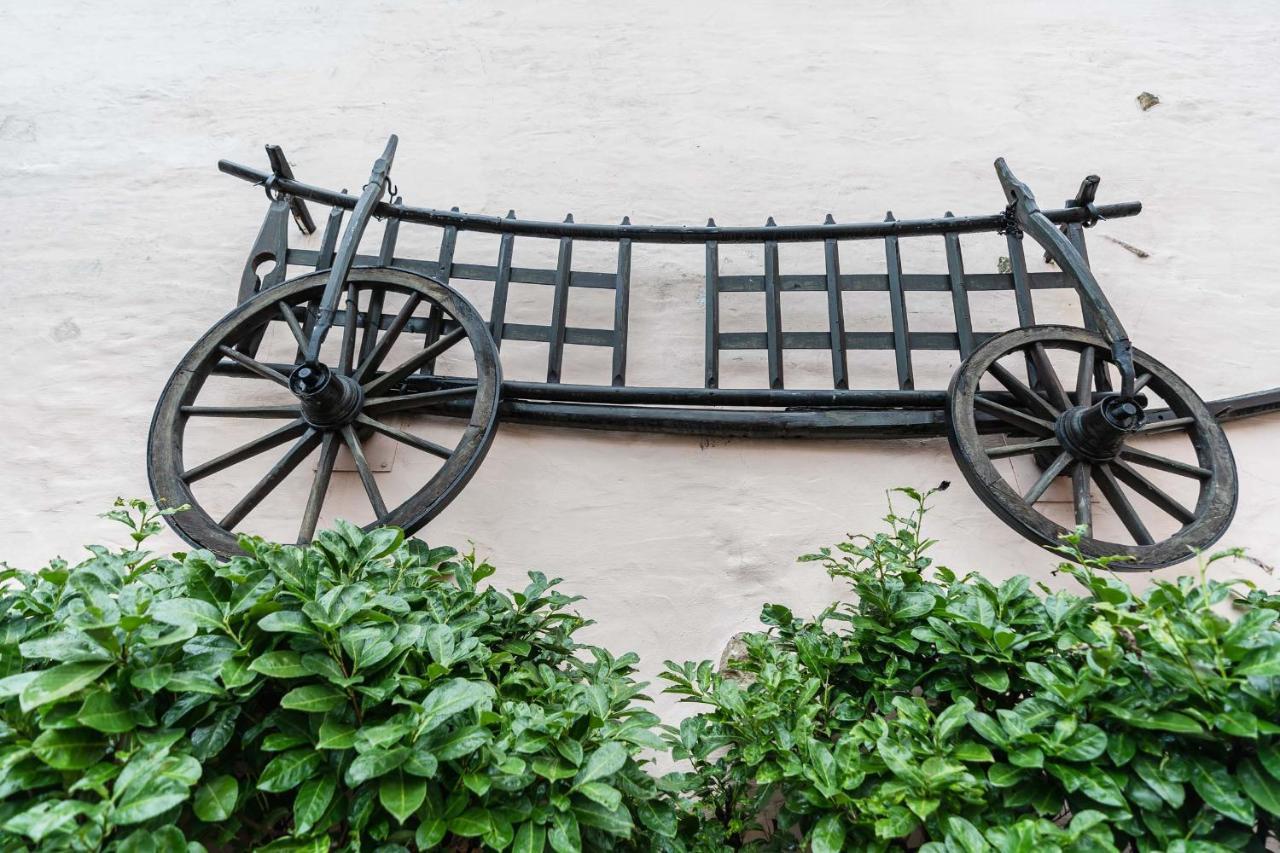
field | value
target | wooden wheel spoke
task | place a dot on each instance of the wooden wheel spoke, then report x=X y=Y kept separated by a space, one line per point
x=366 y=474
x=1047 y=477
x=241 y=411
x=1115 y=496
x=1084 y=378
x=1021 y=449
x=291 y=459
x=248 y=450
x=1153 y=493
x=394 y=376
x=1140 y=382
x=319 y=488
x=1080 y=496
x=1163 y=463
x=253 y=365
x=1048 y=377
x=1022 y=391
x=373 y=322
x=1168 y=425
x=426 y=399
x=404 y=437
x=348 y=351
x=369 y=363
x=295 y=327
x=1021 y=420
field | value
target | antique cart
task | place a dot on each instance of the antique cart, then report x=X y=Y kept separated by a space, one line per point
x=1077 y=404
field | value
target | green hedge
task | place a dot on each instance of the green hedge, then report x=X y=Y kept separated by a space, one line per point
x=371 y=693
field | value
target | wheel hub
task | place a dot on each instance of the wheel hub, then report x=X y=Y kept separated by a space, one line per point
x=329 y=400
x=1096 y=433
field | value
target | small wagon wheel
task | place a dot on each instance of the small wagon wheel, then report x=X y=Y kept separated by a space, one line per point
x=1081 y=431
x=344 y=401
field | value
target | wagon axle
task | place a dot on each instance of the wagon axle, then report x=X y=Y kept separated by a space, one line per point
x=1097 y=433
x=328 y=400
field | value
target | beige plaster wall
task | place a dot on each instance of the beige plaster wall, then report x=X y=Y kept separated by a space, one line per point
x=121 y=243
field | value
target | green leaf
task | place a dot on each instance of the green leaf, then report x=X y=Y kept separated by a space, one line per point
x=1166 y=721
x=966 y=836
x=286 y=622
x=14 y=684
x=602 y=763
x=1005 y=775
x=280 y=664
x=151 y=798
x=289 y=769
x=1261 y=787
x=313 y=798
x=59 y=682
x=565 y=836
x=995 y=679
x=216 y=800
x=1269 y=756
x=984 y=725
x=472 y=823
x=1263 y=662
x=151 y=678
x=45 y=818
x=660 y=817
x=1169 y=790
x=375 y=763
x=828 y=835
x=105 y=713
x=313 y=698
x=69 y=749
x=440 y=643
x=1219 y=790
x=613 y=821
x=606 y=795
x=530 y=838
x=1086 y=744
x=335 y=734
x=401 y=795
x=461 y=742
x=453 y=697
x=187 y=611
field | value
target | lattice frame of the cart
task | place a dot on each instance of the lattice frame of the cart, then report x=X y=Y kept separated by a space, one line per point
x=1010 y=402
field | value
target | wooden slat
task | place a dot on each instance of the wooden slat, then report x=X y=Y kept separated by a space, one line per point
x=835 y=313
x=852 y=340
x=271 y=244
x=959 y=295
x=711 y=377
x=1021 y=286
x=879 y=283
x=502 y=285
x=435 y=317
x=1075 y=234
x=621 y=309
x=898 y=311
x=773 y=310
x=572 y=334
x=373 y=312
x=280 y=166
x=329 y=239
x=560 y=308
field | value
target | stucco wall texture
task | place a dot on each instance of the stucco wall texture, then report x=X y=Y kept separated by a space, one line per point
x=121 y=243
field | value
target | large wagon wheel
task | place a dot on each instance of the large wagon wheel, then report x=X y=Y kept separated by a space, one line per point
x=1079 y=430
x=343 y=402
